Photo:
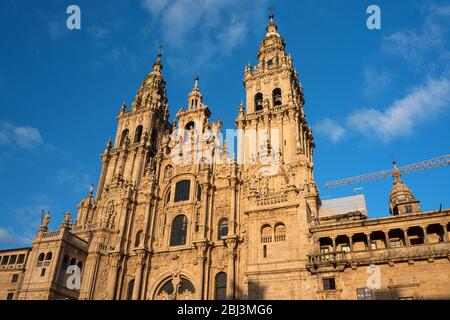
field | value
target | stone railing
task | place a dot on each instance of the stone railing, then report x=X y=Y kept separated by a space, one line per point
x=272 y=199
x=405 y=253
x=76 y=241
x=280 y=237
x=266 y=239
x=51 y=234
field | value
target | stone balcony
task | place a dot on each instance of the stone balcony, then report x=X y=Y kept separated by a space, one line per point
x=64 y=235
x=339 y=260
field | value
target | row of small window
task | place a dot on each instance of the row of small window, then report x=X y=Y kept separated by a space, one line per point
x=329 y=284
x=276 y=99
x=182 y=192
x=138 y=136
x=45 y=257
x=68 y=261
x=277 y=234
x=13 y=259
x=178 y=232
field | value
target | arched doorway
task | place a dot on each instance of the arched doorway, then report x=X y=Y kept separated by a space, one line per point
x=177 y=288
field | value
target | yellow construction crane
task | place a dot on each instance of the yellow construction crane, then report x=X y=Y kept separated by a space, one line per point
x=427 y=164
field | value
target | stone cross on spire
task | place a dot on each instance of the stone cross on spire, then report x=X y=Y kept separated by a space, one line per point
x=196 y=81
x=271 y=16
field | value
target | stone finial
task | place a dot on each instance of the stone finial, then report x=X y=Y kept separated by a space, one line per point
x=67 y=220
x=91 y=191
x=123 y=107
x=108 y=146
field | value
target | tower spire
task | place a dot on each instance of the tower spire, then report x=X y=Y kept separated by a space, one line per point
x=157 y=66
x=271 y=26
x=195 y=96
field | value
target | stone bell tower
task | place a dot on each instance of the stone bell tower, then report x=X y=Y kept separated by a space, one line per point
x=139 y=131
x=278 y=196
x=272 y=129
x=118 y=217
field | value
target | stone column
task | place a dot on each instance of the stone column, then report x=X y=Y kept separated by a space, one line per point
x=444 y=226
x=116 y=161
x=141 y=254
x=425 y=235
x=122 y=224
x=130 y=174
x=405 y=233
x=231 y=244
x=369 y=242
x=202 y=249
x=232 y=220
x=387 y=242
x=138 y=171
x=112 y=277
x=203 y=210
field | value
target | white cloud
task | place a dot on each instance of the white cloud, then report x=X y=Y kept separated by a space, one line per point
x=375 y=81
x=440 y=10
x=403 y=116
x=209 y=30
x=24 y=137
x=6 y=236
x=331 y=129
x=416 y=45
x=76 y=182
x=27 y=137
x=10 y=238
x=97 y=32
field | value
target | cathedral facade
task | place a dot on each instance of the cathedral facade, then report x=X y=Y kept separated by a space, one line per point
x=175 y=217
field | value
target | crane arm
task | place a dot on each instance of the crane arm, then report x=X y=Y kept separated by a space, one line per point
x=418 y=166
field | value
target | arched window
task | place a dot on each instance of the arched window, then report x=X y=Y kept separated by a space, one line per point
x=186 y=291
x=167 y=201
x=221 y=286
x=179 y=230
x=41 y=257
x=48 y=256
x=73 y=262
x=123 y=136
x=258 y=102
x=280 y=232
x=137 y=240
x=276 y=96
x=80 y=265
x=130 y=289
x=190 y=125
x=138 y=134
x=222 y=230
x=182 y=190
x=266 y=234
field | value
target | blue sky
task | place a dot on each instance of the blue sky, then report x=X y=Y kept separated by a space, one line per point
x=371 y=95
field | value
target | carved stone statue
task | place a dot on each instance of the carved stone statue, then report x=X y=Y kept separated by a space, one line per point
x=44 y=221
